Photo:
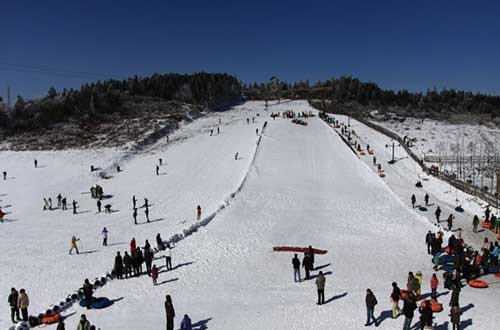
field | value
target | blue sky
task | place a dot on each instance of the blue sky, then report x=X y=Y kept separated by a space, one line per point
x=398 y=44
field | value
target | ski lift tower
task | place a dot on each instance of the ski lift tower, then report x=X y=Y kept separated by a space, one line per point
x=393 y=145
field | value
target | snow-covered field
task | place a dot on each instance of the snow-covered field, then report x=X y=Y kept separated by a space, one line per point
x=301 y=186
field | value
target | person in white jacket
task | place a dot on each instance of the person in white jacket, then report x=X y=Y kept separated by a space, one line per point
x=168 y=257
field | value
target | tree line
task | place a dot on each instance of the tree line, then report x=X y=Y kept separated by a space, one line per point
x=104 y=100
x=345 y=93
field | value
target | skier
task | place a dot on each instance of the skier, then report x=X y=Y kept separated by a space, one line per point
x=73 y=245
x=134 y=214
x=64 y=204
x=428 y=241
x=450 y=222
x=59 y=200
x=371 y=302
x=409 y=307
x=134 y=201
x=198 y=212
x=74 y=206
x=438 y=213
x=168 y=257
x=306 y=263
x=104 y=237
x=157 y=170
x=475 y=223
x=99 y=206
x=455 y=316
x=186 y=323
x=83 y=324
x=296 y=268
x=127 y=268
x=36 y=163
x=434 y=286
x=320 y=284
x=132 y=246
x=118 y=265
x=146 y=212
x=14 y=309
x=154 y=274
x=413 y=200
x=23 y=302
x=159 y=243
x=170 y=312
x=395 y=295
x=236 y=156
x=426 y=199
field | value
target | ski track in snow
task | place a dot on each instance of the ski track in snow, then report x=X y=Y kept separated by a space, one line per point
x=300 y=186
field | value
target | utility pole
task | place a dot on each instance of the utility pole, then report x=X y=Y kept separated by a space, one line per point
x=393 y=145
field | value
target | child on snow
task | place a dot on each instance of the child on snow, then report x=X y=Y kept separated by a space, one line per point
x=154 y=274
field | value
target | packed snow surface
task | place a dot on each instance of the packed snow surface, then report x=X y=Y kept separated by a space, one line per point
x=300 y=186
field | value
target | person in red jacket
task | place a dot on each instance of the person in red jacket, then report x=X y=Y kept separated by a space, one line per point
x=154 y=274
x=434 y=285
x=132 y=246
x=2 y=214
x=198 y=212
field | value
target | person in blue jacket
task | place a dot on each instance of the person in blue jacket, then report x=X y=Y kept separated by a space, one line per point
x=494 y=254
x=186 y=323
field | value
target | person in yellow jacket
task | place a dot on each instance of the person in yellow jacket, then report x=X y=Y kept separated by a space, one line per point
x=22 y=303
x=420 y=278
x=73 y=245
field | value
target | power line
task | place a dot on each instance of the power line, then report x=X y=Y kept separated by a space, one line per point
x=54 y=71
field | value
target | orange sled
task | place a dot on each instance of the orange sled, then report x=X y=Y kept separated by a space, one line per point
x=486 y=224
x=51 y=319
x=297 y=249
x=478 y=284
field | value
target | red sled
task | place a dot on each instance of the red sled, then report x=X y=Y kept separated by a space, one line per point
x=370 y=152
x=297 y=249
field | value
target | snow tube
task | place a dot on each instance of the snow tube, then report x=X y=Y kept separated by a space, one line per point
x=33 y=321
x=478 y=284
x=370 y=152
x=497 y=275
x=404 y=294
x=436 y=307
x=486 y=224
x=459 y=209
x=97 y=303
x=297 y=249
x=382 y=175
x=493 y=269
x=362 y=153
x=52 y=318
x=448 y=250
x=422 y=208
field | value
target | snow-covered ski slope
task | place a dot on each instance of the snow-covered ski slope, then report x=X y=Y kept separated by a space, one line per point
x=303 y=187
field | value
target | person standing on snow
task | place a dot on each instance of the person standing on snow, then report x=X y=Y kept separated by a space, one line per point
x=159 y=243
x=168 y=257
x=154 y=274
x=23 y=302
x=320 y=284
x=186 y=321
x=409 y=307
x=4 y=175
x=419 y=277
x=36 y=163
x=236 y=156
x=426 y=199
x=14 y=309
x=134 y=201
x=413 y=200
x=118 y=266
x=45 y=204
x=104 y=237
x=438 y=213
x=88 y=291
x=450 y=222
x=127 y=265
x=455 y=316
x=157 y=170
x=371 y=302
x=64 y=204
x=50 y=203
x=146 y=213
x=425 y=314
x=306 y=263
x=99 y=204
x=59 y=200
x=148 y=259
x=374 y=160
x=434 y=286
x=395 y=295
x=296 y=268
x=134 y=214
x=198 y=212
x=83 y=324
x=73 y=245
x=74 y=206
x=428 y=241
x=169 y=312
x=132 y=246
